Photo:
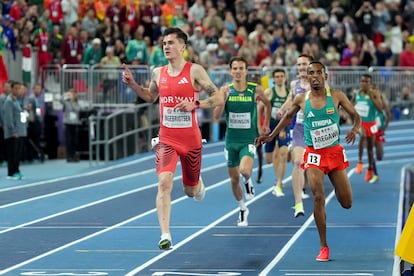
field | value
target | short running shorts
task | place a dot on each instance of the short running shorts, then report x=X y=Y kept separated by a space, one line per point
x=326 y=159
x=298 y=139
x=370 y=128
x=166 y=158
x=234 y=152
x=270 y=146
x=380 y=136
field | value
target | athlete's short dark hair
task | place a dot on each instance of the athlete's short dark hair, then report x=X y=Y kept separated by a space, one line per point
x=368 y=76
x=181 y=35
x=278 y=70
x=309 y=57
x=242 y=59
x=318 y=62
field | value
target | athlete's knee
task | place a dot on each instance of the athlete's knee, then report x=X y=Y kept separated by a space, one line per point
x=234 y=180
x=319 y=198
x=164 y=185
x=297 y=162
x=283 y=155
x=246 y=173
x=269 y=159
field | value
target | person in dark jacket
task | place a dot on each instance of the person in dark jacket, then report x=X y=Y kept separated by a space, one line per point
x=15 y=130
x=71 y=120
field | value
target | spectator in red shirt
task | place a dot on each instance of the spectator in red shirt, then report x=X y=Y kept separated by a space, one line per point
x=56 y=13
x=18 y=10
x=129 y=15
x=407 y=55
x=72 y=48
x=182 y=3
x=41 y=39
x=114 y=11
x=146 y=16
x=262 y=52
x=348 y=52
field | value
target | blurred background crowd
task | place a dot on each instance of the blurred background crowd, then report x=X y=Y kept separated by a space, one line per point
x=266 y=32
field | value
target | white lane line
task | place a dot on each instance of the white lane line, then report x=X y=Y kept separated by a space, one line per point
x=296 y=236
x=205 y=229
x=87 y=186
x=144 y=214
x=94 y=184
x=6 y=270
x=397 y=259
x=151 y=157
x=93 y=172
x=98 y=202
x=99 y=183
x=97 y=171
x=330 y=274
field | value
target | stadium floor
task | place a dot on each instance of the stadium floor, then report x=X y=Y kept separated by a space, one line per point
x=90 y=219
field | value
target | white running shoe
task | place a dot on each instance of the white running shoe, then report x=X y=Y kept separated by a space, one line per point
x=278 y=191
x=305 y=195
x=155 y=141
x=249 y=191
x=165 y=242
x=202 y=193
x=299 y=211
x=242 y=221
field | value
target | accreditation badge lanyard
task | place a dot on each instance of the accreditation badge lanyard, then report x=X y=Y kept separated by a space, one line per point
x=73 y=45
x=54 y=8
x=44 y=38
x=131 y=13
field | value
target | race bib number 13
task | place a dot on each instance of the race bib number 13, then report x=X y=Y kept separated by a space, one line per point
x=314 y=159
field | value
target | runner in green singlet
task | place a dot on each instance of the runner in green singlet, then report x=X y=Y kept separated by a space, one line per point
x=240 y=111
x=276 y=151
x=323 y=153
x=382 y=120
x=367 y=103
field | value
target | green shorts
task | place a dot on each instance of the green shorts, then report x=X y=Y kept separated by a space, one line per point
x=234 y=152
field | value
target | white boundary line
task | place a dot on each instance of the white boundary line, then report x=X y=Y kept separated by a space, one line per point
x=2 y=272
x=295 y=237
x=102 y=169
x=98 y=202
x=86 y=186
x=205 y=229
x=397 y=259
x=275 y=260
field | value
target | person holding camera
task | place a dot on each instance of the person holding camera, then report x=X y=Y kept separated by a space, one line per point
x=364 y=18
x=71 y=120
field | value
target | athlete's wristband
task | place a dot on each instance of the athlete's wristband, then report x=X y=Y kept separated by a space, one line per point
x=197 y=104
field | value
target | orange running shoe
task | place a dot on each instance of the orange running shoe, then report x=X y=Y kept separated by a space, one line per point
x=368 y=175
x=358 y=168
x=323 y=255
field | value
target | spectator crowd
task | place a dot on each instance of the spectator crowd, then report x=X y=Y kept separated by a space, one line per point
x=265 y=32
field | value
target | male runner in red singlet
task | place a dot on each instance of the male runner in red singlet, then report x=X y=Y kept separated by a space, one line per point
x=177 y=86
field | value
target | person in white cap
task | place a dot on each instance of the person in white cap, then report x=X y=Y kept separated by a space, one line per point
x=198 y=40
x=93 y=53
x=209 y=57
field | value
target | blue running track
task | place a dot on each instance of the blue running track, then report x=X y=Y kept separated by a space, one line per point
x=82 y=219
